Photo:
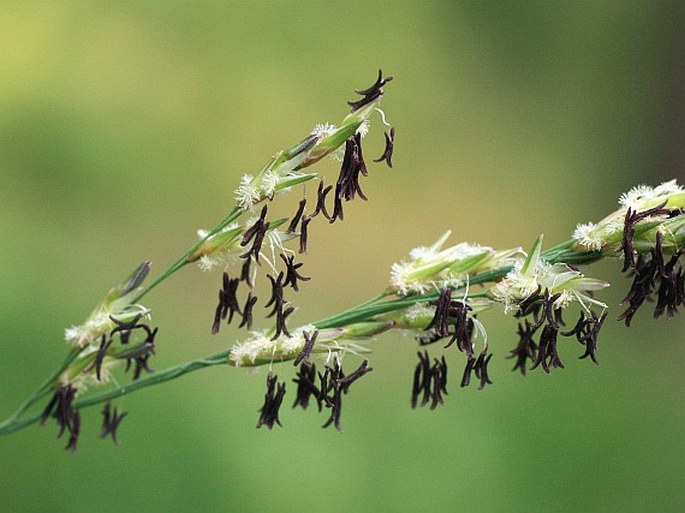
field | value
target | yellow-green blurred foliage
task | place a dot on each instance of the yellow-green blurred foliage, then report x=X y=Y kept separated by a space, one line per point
x=125 y=126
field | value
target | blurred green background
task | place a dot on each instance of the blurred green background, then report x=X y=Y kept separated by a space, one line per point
x=125 y=126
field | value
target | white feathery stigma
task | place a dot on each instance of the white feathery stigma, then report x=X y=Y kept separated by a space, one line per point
x=364 y=128
x=589 y=236
x=323 y=130
x=269 y=183
x=246 y=195
x=637 y=197
x=514 y=287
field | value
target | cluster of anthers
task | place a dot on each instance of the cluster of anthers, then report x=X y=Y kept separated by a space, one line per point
x=326 y=388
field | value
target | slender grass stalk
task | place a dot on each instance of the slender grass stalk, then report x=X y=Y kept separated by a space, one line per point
x=44 y=389
x=183 y=260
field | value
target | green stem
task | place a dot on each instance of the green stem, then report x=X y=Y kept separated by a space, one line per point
x=235 y=214
x=366 y=312
x=156 y=378
x=13 y=424
x=45 y=388
x=564 y=253
x=332 y=322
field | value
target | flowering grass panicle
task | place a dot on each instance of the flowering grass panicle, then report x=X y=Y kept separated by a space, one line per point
x=436 y=294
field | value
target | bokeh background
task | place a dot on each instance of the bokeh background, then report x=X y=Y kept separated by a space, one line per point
x=125 y=126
